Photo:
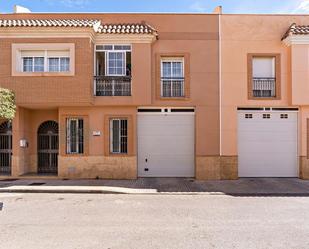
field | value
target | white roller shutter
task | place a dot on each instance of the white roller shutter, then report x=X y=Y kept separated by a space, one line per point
x=166 y=144
x=267 y=144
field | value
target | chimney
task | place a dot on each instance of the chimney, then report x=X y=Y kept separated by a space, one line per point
x=218 y=10
x=21 y=9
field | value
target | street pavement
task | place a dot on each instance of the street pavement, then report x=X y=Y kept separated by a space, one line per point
x=90 y=221
x=242 y=186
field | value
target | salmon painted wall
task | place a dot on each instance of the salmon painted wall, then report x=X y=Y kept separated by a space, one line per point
x=50 y=91
x=300 y=74
x=243 y=34
x=195 y=34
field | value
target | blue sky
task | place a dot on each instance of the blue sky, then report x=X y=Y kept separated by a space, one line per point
x=229 y=6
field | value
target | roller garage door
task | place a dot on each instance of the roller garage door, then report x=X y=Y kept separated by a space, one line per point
x=165 y=142
x=267 y=143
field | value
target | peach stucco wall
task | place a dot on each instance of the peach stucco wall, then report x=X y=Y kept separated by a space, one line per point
x=300 y=74
x=243 y=34
x=194 y=34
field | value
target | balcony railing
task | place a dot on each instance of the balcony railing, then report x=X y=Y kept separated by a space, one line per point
x=113 y=85
x=264 y=87
x=172 y=87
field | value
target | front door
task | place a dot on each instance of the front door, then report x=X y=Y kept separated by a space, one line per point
x=48 y=148
x=5 y=148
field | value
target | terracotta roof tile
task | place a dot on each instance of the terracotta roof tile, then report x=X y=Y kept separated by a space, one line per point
x=48 y=23
x=295 y=29
x=124 y=28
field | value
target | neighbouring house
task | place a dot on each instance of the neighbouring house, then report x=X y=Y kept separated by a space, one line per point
x=121 y=96
x=264 y=99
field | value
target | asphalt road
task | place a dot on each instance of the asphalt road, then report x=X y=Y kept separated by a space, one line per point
x=152 y=221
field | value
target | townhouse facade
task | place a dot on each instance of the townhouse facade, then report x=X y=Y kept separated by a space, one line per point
x=121 y=96
x=110 y=95
x=264 y=82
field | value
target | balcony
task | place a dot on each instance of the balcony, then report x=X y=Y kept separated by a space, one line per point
x=112 y=85
x=264 y=87
x=172 y=87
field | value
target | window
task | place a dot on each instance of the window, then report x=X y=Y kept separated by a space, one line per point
x=33 y=64
x=113 y=70
x=266 y=116
x=113 y=60
x=75 y=136
x=119 y=136
x=248 y=116
x=58 y=64
x=45 y=61
x=172 y=77
x=116 y=63
x=264 y=76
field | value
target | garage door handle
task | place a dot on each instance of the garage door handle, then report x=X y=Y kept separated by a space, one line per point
x=146 y=160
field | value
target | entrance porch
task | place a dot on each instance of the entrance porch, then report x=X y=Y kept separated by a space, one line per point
x=29 y=144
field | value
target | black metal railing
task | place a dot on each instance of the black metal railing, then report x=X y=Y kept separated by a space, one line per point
x=112 y=85
x=5 y=154
x=264 y=87
x=172 y=87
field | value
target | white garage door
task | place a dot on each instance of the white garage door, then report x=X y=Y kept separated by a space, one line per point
x=267 y=144
x=166 y=143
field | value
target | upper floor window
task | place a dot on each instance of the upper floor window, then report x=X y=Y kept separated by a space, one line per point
x=113 y=60
x=33 y=64
x=172 y=77
x=45 y=61
x=58 y=64
x=264 y=76
x=113 y=70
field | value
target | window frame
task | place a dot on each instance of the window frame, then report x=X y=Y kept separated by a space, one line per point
x=186 y=72
x=124 y=61
x=111 y=136
x=17 y=61
x=68 y=121
x=33 y=64
x=172 y=78
x=277 y=57
x=59 y=63
x=110 y=48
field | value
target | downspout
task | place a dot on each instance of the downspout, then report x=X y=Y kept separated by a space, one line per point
x=220 y=84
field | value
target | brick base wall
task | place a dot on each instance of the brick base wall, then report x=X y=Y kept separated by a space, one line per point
x=304 y=168
x=97 y=166
x=216 y=167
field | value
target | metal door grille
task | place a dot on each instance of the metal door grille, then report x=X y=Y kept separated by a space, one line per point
x=48 y=148
x=5 y=148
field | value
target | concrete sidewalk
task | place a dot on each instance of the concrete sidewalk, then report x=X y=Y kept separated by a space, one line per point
x=241 y=187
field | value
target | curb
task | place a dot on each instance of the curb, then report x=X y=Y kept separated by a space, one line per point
x=74 y=190
x=126 y=191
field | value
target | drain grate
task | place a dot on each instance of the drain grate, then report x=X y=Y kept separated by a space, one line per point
x=36 y=183
x=8 y=180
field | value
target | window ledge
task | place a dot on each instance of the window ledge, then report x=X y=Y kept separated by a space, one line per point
x=73 y=155
x=42 y=74
x=174 y=98
x=117 y=155
x=264 y=98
